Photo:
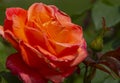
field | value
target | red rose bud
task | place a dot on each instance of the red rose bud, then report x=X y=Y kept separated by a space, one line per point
x=49 y=45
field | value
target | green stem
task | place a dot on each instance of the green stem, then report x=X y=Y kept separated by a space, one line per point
x=85 y=75
x=89 y=75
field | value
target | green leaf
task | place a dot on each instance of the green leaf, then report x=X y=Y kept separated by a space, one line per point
x=2 y=80
x=5 y=50
x=102 y=77
x=111 y=80
x=7 y=77
x=110 y=13
x=113 y=2
x=116 y=43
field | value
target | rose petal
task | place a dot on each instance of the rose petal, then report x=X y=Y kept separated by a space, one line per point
x=17 y=17
x=71 y=34
x=57 y=62
x=36 y=61
x=12 y=39
x=1 y=31
x=35 y=37
x=39 y=37
x=60 y=48
x=31 y=56
x=68 y=53
x=52 y=28
x=82 y=54
x=9 y=35
x=38 y=13
x=11 y=12
x=18 y=67
x=8 y=25
x=47 y=54
x=63 y=18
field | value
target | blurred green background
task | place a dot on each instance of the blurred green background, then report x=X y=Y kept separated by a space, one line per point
x=86 y=13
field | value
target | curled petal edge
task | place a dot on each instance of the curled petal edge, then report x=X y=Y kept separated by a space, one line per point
x=1 y=31
x=18 y=67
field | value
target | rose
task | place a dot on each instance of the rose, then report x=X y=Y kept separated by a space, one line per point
x=49 y=45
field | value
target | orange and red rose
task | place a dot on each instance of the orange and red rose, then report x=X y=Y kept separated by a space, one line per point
x=49 y=45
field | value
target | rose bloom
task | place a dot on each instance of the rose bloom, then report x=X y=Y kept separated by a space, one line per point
x=49 y=46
